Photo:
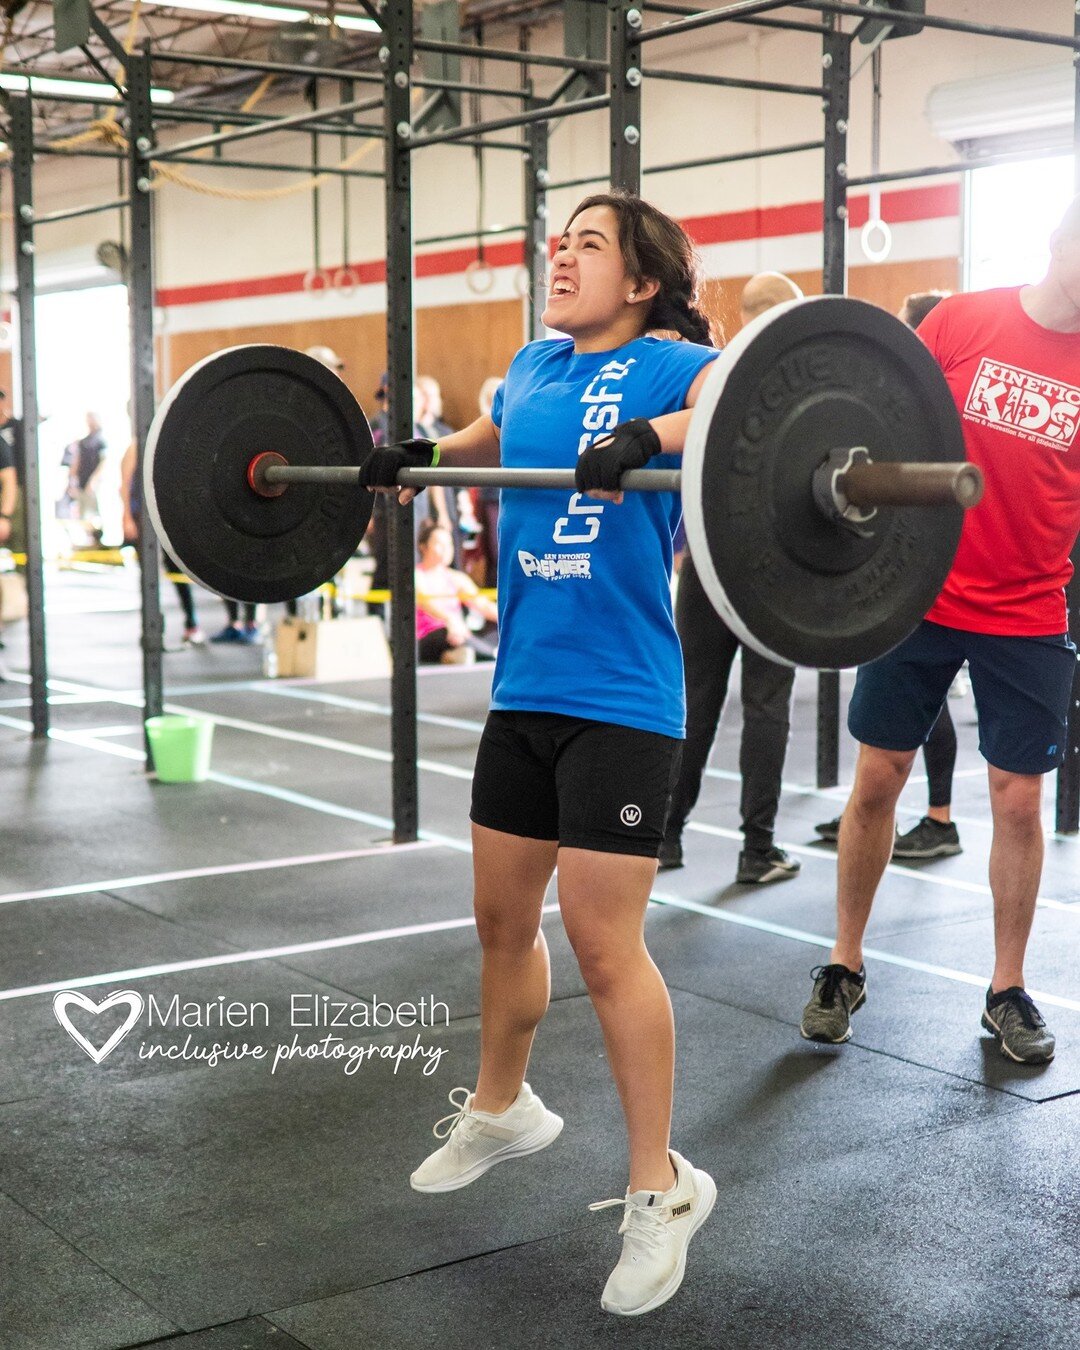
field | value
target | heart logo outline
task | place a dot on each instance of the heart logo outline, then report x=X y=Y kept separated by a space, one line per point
x=63 y=1000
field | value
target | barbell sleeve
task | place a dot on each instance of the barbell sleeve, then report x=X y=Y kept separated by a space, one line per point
x=887 y=484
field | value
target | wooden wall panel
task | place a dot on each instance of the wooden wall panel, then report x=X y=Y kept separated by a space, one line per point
x=460 y=345
x=359 y=340
x=884 y=284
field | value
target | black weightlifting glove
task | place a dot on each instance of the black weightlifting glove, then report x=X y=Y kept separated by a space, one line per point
x=383 y=465
x=630 y=446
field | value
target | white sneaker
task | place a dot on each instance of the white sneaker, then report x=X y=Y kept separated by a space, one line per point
x=658 y=1230
x=476 y=1140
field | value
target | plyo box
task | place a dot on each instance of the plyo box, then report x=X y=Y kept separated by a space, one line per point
x=12 y=597
x=332 y=649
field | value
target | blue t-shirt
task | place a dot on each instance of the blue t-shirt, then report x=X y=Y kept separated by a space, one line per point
x=585 y=622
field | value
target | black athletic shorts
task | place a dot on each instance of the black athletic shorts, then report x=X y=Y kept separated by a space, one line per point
x=587 y=784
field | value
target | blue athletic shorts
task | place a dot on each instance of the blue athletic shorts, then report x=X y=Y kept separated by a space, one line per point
x=1022 y=688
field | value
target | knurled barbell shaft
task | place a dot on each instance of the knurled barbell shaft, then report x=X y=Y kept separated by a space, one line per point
x=639 y=480
x=865 y=485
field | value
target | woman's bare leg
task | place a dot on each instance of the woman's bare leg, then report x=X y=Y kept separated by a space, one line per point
x=511 y=876
x=603 y=897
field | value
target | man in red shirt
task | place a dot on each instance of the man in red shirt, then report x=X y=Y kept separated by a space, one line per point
x=1012 y=360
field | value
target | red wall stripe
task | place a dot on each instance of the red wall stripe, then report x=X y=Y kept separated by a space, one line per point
x=940 y=201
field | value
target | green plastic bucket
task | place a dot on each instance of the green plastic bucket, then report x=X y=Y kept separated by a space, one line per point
x=181 y=747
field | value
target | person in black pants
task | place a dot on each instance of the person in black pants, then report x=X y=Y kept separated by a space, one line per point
x=709 y=649
x=935 y=836
x=131 y=499
x=246 y=632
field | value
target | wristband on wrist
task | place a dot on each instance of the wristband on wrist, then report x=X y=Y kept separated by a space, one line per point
x=434 y=455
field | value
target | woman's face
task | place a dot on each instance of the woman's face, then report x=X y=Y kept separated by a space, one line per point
x=588 y=288
x=439 y=548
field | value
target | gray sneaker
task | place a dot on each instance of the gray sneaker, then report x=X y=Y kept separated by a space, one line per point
x=929 y=839
x=1018 y=1026
x=838 y=992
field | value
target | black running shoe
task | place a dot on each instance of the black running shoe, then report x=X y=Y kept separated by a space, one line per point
x=838 y=992
x=929 y=839
x=759 y=869
x=1019 y=1026
x=829 y=830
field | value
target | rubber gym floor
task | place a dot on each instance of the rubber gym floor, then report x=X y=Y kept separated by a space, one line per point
x=911 y=1189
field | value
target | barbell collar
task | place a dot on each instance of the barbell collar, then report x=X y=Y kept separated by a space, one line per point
x=892 y=484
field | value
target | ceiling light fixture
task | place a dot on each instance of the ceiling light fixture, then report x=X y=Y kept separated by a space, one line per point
x=249 y=9
x=92 y=90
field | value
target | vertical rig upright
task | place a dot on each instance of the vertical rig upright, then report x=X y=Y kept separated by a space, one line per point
x=536 y=222
x=1067 y=804
x=625 y=22
x=836 y=68
x=140 y=131
x=396 y=56
x=22 y=173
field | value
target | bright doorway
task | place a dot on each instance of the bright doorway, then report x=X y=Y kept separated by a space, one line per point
x=83 y=365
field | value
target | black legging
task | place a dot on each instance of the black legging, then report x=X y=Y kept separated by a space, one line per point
x=430 y=648
x=939 y=752
x=709 y=648
x=185 y=592
x=232 y=609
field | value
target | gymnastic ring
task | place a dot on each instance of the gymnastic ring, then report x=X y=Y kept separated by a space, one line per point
x=316 y=281
x=523 y=282
x=880 y=251
x=345 y=280
x=479 y=276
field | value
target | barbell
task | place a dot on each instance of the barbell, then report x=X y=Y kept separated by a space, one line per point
x=823 y=479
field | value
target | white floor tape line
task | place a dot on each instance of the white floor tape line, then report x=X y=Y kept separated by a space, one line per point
x=691 y=906
x=299 y=690
x=237 y=958
x=895 y=869
x=221 y=870
x=869 y=953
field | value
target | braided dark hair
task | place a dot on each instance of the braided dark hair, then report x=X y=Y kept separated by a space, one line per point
x=655 y=247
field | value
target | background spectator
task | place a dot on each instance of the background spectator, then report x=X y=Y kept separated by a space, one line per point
x=131 y=500
x=85 y=461
x=442 y=596
x=486 y=499
x=428 y=410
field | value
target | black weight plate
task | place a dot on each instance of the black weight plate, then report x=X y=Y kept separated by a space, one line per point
x=802 y=380
x=208 y=428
